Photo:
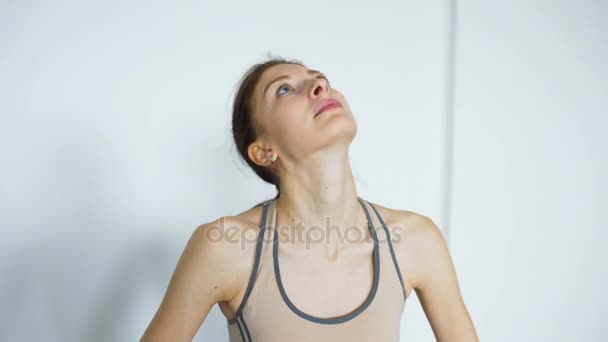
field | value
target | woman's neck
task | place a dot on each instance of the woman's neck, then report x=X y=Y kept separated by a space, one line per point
x=319 y=197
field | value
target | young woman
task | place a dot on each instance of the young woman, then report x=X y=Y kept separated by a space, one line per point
x=317 y=262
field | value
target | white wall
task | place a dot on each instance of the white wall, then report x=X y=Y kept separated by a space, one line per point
x=530 y=165
x=115 y=141
x=115 y=145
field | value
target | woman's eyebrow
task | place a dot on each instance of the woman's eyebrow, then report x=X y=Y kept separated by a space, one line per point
x=310 y=72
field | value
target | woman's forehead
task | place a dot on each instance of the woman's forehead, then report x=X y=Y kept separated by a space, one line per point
x=280 y=70
x=272 y=73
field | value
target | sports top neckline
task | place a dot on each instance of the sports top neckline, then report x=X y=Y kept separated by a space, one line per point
x=337 y=319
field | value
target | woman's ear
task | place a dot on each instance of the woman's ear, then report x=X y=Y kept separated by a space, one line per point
x=261 y=155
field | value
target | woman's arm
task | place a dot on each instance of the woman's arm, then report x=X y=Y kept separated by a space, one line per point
x=435 y=281
x=199 y=281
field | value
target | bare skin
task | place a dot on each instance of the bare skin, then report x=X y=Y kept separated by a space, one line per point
x=201 y=278
x=311 y=156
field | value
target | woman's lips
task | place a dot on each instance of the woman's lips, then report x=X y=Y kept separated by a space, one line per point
x=327 y=105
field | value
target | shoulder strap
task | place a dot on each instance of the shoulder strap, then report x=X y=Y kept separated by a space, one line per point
x=256 y=262
x=390 y=245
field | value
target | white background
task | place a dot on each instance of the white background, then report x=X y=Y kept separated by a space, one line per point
x=485 y=116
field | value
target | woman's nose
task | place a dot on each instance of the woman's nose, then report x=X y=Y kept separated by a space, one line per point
x=319 y=86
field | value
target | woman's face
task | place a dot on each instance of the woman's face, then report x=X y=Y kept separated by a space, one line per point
x=286 y=99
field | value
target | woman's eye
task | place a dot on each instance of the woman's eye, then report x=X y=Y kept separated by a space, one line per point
x=283 y=86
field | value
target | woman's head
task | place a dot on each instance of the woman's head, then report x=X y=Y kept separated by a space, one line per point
x=274 y=120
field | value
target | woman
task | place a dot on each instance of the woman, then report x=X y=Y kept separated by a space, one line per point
x=348 y=272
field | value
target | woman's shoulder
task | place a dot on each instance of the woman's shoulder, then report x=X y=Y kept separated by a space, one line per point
x=225 y=230
x=416 y=238
x=230 y=242
x=403 y=221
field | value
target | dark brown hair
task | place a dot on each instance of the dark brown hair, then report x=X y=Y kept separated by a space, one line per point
x=244 y=129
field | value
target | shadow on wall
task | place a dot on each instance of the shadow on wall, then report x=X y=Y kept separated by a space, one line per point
x=80 y=267
x=90 y=289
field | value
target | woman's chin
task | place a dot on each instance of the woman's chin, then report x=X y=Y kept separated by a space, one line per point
x=338 y=128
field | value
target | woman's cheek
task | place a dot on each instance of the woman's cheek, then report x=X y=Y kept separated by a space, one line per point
x=289 y=123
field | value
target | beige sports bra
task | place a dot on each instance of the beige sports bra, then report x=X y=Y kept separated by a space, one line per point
x=266 y=313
